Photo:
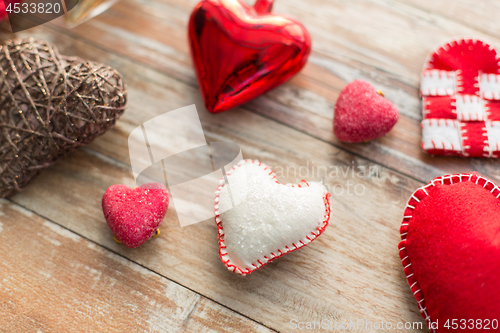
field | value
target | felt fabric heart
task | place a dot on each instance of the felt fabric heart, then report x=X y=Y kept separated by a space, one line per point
x=460 y=88
x=362 y=114
x=51 y=105
x=240 y=52
x=134 y=214
x=450 y=251
x=261 y=219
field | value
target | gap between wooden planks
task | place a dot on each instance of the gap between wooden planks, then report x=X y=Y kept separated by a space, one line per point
x=479 y=15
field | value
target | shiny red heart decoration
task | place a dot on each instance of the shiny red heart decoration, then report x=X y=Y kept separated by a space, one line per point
x=240 y=52
x=134 y=215
x=450 y=251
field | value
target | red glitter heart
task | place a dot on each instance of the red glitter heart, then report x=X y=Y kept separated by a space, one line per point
x=362 y=114
x=134 y=214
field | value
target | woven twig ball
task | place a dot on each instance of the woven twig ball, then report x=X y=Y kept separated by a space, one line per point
x=49 y=105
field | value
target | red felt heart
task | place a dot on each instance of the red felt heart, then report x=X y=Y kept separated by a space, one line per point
x=240 y=52
x=450 y=251
x=362 y=114
x=135 y=214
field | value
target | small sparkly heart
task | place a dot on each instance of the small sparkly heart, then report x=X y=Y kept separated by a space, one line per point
x=135 y=214
x=362 y=113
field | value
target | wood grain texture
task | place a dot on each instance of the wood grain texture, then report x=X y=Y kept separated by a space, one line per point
x=53 y=280
x=480 y=15
x=351 y=272
x=381 y=41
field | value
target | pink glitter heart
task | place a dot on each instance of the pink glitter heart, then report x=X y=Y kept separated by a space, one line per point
x=134 y=214
x=362 y=114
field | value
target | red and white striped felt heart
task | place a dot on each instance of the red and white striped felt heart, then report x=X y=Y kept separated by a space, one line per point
x=460 y=89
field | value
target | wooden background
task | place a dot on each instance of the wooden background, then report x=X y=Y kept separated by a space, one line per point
x=61 y=270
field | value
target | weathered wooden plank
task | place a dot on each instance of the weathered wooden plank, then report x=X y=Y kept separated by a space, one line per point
x=345 y=275
x=351 y=272
x=357 y=273
x=323 y=281
x=382 y=41
x=53 y=280
x=480 y=15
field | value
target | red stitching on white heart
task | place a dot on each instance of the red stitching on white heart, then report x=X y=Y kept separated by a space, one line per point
x=218 y=221
x=414 y=201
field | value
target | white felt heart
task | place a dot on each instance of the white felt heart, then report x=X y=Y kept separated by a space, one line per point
x=260 y=219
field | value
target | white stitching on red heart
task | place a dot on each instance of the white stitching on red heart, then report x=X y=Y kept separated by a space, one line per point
x=434 y=83
x=405 y=260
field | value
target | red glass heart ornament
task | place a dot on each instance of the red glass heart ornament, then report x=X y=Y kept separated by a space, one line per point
x=240 y=52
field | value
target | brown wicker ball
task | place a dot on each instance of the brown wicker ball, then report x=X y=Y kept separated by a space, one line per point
x=49 y=105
